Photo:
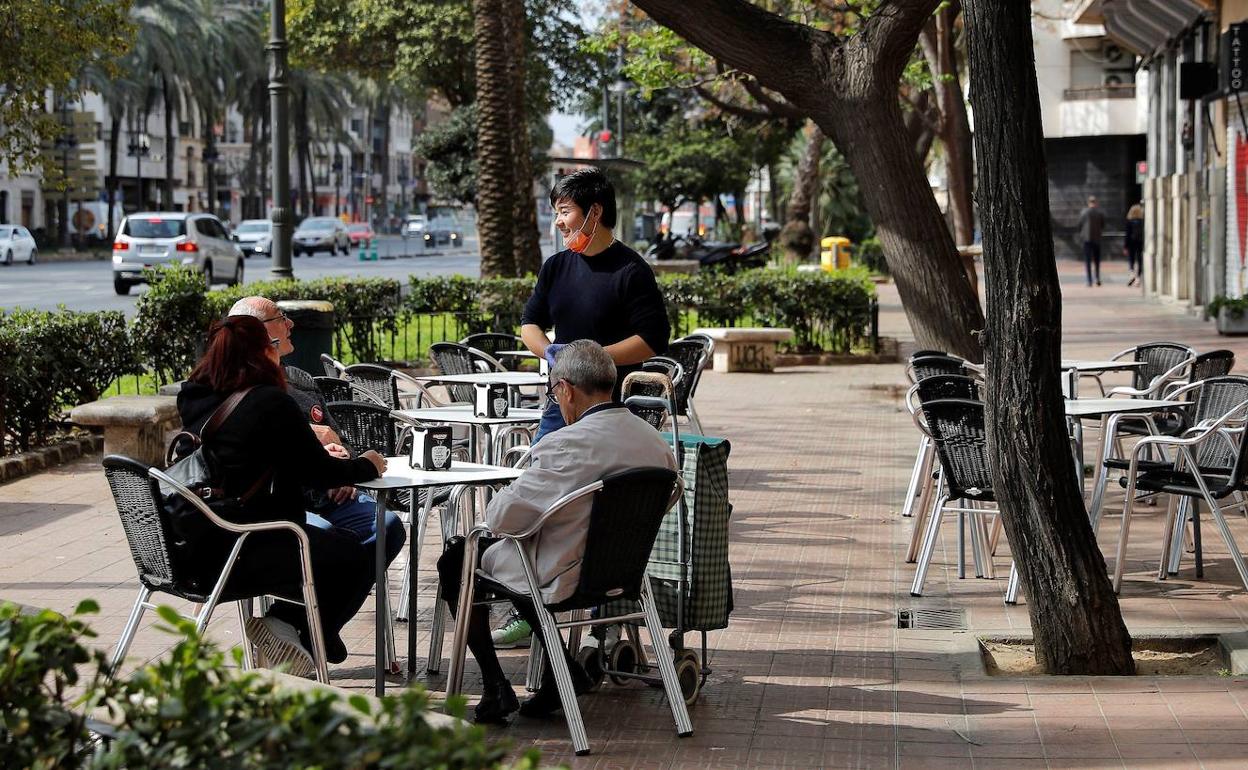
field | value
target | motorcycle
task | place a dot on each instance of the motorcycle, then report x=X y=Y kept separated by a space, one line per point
x=727 y=256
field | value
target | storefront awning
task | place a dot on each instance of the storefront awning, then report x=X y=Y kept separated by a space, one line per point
x=1144 y=26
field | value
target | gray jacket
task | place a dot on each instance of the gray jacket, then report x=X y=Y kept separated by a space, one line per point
x=1091 y=223
x=600 y=443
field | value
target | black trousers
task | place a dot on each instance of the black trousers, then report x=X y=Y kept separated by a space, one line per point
x=450 y=573
x=342 y=570
x=1135 y=257
x=1091 y=257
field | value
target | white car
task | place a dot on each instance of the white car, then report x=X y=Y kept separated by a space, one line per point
x=414 y=226
x=172 y=238
x=254 y=236
x=16 y=242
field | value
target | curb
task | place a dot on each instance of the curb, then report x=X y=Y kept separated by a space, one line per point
x=28 y=463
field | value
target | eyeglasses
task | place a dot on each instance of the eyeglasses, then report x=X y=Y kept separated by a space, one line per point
x=279 y=317
x=275 y=342
x=551 y=396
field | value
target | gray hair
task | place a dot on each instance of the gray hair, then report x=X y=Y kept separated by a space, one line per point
x=251 y=306
x=585 y=364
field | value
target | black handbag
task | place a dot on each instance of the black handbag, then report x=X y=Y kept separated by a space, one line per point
x=196 y=472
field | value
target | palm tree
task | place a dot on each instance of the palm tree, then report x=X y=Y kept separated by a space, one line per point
x=526 y=241
x=321 y=99
x=495 y=185
x=117 y=90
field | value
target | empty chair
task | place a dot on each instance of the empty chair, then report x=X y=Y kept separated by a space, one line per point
x=453 y=358
x=1162 y=363
x=333 y=367
x=957 y=428
x=692 y=356
x=380 y=385
x=364 y=426
x=927 y=366
x=150 y=535
x=491 y=343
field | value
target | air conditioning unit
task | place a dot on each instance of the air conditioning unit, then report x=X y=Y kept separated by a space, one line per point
x=1112 y=54
x=1117 y=78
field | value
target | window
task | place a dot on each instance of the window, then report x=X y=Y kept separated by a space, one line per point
x=155 y=227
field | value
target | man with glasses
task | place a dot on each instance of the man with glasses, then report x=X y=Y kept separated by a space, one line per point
x=602 y=437
x=342 y=507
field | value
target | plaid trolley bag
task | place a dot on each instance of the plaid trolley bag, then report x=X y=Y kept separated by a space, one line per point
x=696 y=570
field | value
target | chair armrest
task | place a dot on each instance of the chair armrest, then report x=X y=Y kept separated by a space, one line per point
x=492 y=364
x=229 y=526
x=422 y=393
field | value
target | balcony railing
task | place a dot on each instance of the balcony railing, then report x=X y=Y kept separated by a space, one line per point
x=1124 y=91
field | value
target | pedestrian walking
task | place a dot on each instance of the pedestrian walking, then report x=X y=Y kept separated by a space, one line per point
x=1133 y=244
x=1091 y=225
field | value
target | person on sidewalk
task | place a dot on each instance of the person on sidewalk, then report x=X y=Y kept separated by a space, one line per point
x=601 y=437
x=1091 y=225
x=267 y=435
x=344 y=506
x=1133 y=243
x=596 y=289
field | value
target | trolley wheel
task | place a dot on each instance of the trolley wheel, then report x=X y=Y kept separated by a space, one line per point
x=689 y=674
x=624 y=659
x=590 y=659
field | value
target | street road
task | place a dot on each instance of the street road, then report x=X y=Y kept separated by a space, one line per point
x=89 y=285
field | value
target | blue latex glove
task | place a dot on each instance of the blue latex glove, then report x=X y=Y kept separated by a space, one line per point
x=552 y=350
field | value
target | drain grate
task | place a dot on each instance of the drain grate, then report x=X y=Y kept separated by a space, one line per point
x=948 y=619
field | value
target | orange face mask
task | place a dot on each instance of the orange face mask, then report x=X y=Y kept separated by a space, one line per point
x=579 y=241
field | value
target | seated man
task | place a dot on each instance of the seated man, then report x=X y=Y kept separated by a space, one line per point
x=602 y=438
x=342 y=507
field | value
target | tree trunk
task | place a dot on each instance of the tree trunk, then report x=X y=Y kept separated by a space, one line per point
x=265 y=177
x=848 y=86
x=955 y=128
x=798 y=238
x=495 y=179
x=166 y=203
x=117 y=113
x=383 y=197
x=526 y=240
x=210 y=151
x=301 y=149
x=1074 y=612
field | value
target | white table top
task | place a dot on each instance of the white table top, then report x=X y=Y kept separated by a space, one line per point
x=1094 y=407
x=1086 y=365
x=516 y=354
x=400 y=475
x=513 y=379
x=462 y=415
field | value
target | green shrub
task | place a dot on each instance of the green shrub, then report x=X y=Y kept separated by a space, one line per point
x=172 y=320
x=870 y=254
x=53 y=361
x=40 y=656
x=190 y=710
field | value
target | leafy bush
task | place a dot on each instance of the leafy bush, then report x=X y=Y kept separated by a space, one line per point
x=870 y=254
x=172 y=320
x=53 y=361
x=190 y=710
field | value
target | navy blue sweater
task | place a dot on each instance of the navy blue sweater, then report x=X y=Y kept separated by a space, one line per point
x=606 y=298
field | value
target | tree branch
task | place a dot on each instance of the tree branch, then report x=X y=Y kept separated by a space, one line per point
x=780 y=108
x=731 y=108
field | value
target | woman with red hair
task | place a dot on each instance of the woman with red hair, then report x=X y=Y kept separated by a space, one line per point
x=267 y=440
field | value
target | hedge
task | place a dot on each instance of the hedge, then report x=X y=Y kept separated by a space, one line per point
x=190 y=710
x=54 y=361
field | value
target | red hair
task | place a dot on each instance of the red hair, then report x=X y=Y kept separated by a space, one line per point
x=237 y=356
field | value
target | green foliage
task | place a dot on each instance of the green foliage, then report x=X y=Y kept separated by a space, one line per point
x=53 y=361
x=190 y=710
x=40 y=655
x=172 y=320
x=827 y=311
x=870 y=254
x=688 y=163
x=46 y=44
x=492 y=304
x=450 y=147
x=1234 y=306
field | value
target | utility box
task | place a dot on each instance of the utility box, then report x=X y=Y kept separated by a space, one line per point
x=834 y=253
x=312 y=334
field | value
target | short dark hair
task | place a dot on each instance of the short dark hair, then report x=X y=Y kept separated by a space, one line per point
x=585 y=187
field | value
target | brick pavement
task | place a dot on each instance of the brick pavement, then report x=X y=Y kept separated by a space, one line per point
x=813 y=671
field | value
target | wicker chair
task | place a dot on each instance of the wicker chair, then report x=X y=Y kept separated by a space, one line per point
x=628 y=508
x=365 y=426
x=692 y=357
x=453 y=358
x=333 y=367
x=137 y=492
x=927 y=366
x=1163 y=363
x=333 y=388
x=492 y=342
x=377 y=384
x=957 y=428
x=1211 y=465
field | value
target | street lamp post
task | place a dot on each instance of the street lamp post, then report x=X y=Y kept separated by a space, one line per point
x=279 y=92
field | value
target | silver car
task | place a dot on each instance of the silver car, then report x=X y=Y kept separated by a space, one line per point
x=254 y=236
x=16 y=243
x=320 y=234
x=173 y=238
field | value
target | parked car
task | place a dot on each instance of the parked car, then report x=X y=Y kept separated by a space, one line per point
x=321 y=234
x=152 y=239
x=16 y=242
x=254 y=236
x=360 y=233
x=415 y=225
x=444 y=230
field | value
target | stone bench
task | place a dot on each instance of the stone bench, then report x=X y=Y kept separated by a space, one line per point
x=134 y=426
x=746 y=349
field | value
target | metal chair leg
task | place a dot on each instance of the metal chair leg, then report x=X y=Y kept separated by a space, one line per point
x=1224 y=529
x=244 y=612
x=132 y=625
x=916 y=474
x=1012 y=586
x=667 y=668
x=929 y=545
x=930 y=486
x=437 y=629
x=558 y=663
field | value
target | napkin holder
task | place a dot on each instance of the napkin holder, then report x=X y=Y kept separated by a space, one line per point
x=431 y=447
x=489 y=400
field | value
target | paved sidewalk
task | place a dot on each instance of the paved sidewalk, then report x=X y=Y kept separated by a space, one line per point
x=813 y=671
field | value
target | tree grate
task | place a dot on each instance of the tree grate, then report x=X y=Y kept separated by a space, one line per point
x=946 y=619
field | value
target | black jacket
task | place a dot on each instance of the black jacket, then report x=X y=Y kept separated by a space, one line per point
x=268 y=430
